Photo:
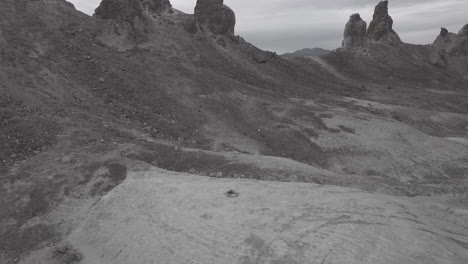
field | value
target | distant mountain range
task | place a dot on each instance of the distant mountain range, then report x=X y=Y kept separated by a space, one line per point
x=306 y=53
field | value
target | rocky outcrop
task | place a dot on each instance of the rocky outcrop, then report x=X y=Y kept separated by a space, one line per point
x=215 y=17
x=381 y=28
x=444 y=39
x=123 y=24
x=452 y=43
x=448 y=44
x=128 y=9
x=443 y=32
x=464 y=31
x=355 y=32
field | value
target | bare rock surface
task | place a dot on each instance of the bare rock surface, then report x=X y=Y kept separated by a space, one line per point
x=216 y=17
x=355 y=33
x=381 y=28
x=129 y=9
x=452 y=43
x=176 y=218
x=445 y=39
x=124 y=24
x=443 y=32
x=464 y=31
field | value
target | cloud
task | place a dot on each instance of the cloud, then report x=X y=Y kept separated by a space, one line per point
x=288 y=25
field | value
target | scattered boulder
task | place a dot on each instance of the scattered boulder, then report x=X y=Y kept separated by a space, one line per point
x=66 y=254
x=355 y=32
x=263 y=57
x=381 y=28
x=215 y=17
x=232 y=194
x=438 y=59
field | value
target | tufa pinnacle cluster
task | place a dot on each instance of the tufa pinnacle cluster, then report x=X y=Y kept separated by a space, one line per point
x=380 y=30
x=124 y=24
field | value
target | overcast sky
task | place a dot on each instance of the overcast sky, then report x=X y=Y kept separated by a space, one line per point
x=289 y=25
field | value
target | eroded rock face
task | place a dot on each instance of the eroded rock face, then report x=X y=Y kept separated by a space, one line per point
x=437 y=56
x=123 y=24
x=127 y=9
x=381 y=27
x=355 y=32
x=464 y=31
x=445 y=37
x=452 y=43
x=443 y=32
x=216 y=17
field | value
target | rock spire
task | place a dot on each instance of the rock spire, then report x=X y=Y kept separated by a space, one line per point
x=355 y=32
x=381 y=28
x=215 y=17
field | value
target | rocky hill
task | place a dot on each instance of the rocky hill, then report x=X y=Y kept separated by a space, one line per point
x=306 y=53
x=377 y=53
x=116 y=129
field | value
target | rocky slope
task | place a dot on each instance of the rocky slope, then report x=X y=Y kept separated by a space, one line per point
x=89 y=104
x=306 y=53
x=378 y=54
x=452 y=43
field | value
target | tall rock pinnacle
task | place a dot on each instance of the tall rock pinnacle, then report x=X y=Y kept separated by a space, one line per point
x=355 y=32
x=214 y=16
x=381 y=28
